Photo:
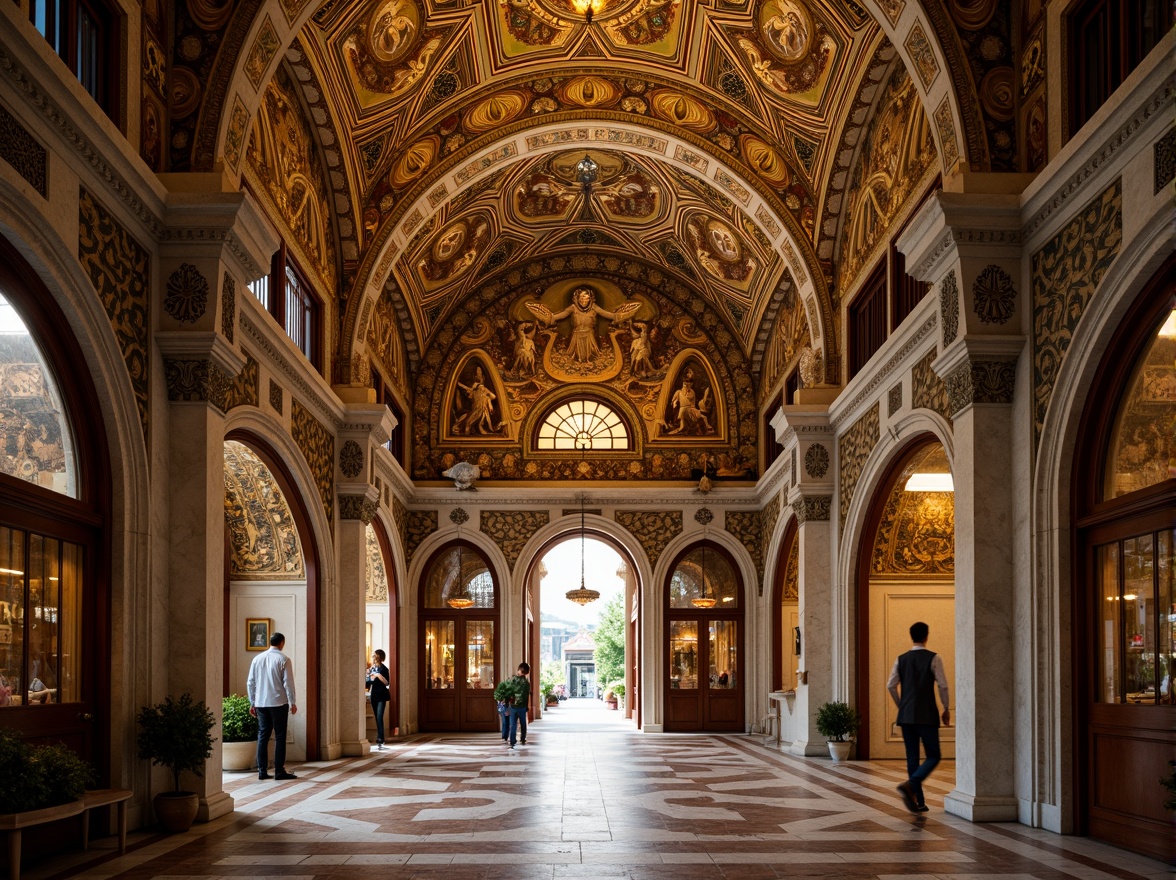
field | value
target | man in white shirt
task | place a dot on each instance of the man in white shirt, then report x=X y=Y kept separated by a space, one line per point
x=270 y=688
x=919 y=672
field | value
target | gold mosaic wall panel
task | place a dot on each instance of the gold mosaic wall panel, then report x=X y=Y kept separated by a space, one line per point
x=318 y=448
x=511 y=529
x=853 y=448
x=653 y=529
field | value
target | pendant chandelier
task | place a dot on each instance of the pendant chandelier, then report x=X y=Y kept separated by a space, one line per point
x=463 y=599
x=706 y=600
x=583 y=595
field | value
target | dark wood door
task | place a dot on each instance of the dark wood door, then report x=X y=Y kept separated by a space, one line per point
x=704 y=690
x=458 y=673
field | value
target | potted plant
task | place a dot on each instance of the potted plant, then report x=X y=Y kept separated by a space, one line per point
x=238 y=734
x=618 y=689
x=550 y=698
x=176 y=734
x=39 y=777
x=610 y=698
x=838 y=722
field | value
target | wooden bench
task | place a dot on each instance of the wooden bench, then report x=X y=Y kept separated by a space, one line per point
x=12 y=824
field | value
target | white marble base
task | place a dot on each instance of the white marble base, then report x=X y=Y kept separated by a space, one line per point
x=980 y=809
x=214 y=806
x=810 y=748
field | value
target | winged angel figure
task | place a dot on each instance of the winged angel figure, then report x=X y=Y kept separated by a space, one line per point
x=582 y=346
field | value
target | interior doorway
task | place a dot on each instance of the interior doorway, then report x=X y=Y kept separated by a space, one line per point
x=907 y=574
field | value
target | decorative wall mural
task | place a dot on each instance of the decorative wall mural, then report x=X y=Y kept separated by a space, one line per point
x=453 y=251
x=534 y=336
x=528 y=27
x=262 y=535
x=33 y=426
x=318 y=448
x=789 y=339
x=897 y=151
x=653 y=529
x=1065 y=274
x=376 y=572
x=511 y=529
x=286 y=160
x=853 y=448
x=790 y=50
x=120 y=270
x=916 y=535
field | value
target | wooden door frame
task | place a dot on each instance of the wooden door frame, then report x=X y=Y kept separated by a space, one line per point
x=791 y=534
x=394 y=643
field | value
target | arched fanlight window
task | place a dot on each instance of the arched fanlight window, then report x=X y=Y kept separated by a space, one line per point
x=583 y=424
x=704 y=579
x=459 y=578
x=36 y=444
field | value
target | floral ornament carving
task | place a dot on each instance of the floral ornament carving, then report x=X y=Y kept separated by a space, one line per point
x=993 y=296
x=458 y=516
x=980 y=382
x=949 y=308
x=816 y=461
x=768 y=518
x=748 y=527
x=927 y=389
x=703 y=516
x=854 y=447
x=813 y=508
x=653 y=529
x=22 y=151
x=377 y=572
x=511 y=529
x=419 y=524
x=187 y=294
x=894 y=400
x=358 y=507
x=196 y=380
x=229 y=307
x=275 y=396
x=351 y=459
x=243 y=390
x=317 y=445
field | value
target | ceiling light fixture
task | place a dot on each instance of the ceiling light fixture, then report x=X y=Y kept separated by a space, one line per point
x=706 y=600
x=929 y=483
x=463 y=599
x=583 y=595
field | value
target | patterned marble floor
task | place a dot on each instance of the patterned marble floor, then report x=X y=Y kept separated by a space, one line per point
x=590 y=797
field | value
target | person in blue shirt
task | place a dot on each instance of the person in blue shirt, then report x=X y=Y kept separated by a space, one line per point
x=270 y=688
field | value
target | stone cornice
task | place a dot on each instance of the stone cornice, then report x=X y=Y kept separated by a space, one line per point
x=193 y=345
x=963 y=223
x=812 y=508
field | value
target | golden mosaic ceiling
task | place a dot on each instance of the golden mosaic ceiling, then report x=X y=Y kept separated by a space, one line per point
x=461 y=123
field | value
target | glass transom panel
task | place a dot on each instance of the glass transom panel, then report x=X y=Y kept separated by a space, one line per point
x=583 y=424
x=459 y=575
x=702 y=576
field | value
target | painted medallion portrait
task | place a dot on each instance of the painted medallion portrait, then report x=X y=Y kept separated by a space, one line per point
x=787 y=29
x=393 y=29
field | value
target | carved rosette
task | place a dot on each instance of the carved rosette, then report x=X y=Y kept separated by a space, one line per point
x=949 y=308
x=816 y=461
x=187 y=294
x=197 y=380
x=813 y=508
x=511 y=529
x=653 y=529
x=351 y=459
x=458 y=516
x=980 y=382
x=993 y=296
x=357 y=507
x=419 y=524
x=703 y=516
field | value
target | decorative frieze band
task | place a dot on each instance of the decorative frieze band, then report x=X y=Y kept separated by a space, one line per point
x=980 y=382
x=813 y=508
x=357 y=507
x=197 y=380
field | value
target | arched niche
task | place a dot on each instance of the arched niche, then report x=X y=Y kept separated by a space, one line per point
x=785 y=611
x=476 y=403
x=906 y=573
x=381 y=613
x=690 y=403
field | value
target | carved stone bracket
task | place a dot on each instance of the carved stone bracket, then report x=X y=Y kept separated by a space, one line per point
x=357 y=507
x=813 y=508
x=197 y=380
x=980 y=381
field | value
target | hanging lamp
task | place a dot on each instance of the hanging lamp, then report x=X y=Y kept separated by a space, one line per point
x=706 y=600
x=583 y=595
x=463 y=599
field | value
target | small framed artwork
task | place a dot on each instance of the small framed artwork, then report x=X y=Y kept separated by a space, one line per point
x=257 y=633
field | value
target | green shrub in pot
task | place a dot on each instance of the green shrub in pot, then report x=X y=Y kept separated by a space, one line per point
x=237 y=725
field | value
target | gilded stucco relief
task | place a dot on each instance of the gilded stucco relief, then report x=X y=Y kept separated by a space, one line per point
x=790 y=337
x=376 y=574
x=245 y=388
x=318 y=448
x=419 y=524
x=1065 y=274
x=748 y=527
x=897 y=151
x=511 y=529
x=853 y=448
x=263 y=538
x=120 y=270
x=928 y=391
x=916 y=535
x=285 y=159
x=531 y=342
x=790 y=50
x=653 y=529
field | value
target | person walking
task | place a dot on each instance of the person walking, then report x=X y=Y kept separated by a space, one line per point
x=912 y=684
x=378 y=693
x=518 y=708
x=270 y=688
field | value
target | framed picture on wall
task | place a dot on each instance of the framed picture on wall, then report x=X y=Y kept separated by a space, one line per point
x=257 y=633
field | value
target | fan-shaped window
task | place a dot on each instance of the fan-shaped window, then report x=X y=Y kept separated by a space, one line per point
x=37 y=444
x=1143 y=451
x=583 y=424
x=704 y=579
x=459 y=578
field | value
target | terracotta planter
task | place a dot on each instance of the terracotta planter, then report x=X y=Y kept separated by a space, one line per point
x=237 y=756
x=176 y=810
x=839 y=751
x=612 y=704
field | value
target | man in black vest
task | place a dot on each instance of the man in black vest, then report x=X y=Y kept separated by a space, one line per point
x=912 y=685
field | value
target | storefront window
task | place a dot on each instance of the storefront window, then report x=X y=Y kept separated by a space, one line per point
x=37 y=443
x=40 y=619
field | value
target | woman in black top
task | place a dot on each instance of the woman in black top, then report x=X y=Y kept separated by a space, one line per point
x=377 y=679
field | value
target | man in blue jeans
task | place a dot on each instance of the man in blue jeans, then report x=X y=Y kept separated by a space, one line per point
x=912 y=684
x=518 y=709
x=270 y=688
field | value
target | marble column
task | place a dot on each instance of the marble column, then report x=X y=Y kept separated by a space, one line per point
x=197 y=366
